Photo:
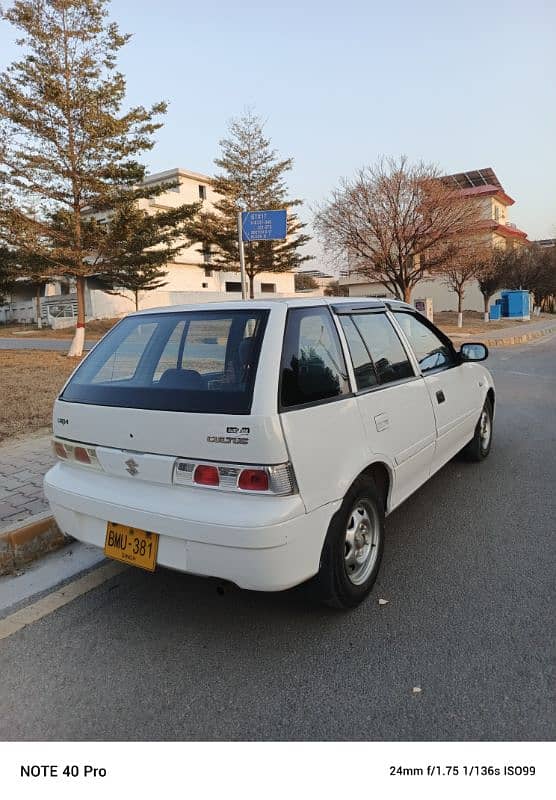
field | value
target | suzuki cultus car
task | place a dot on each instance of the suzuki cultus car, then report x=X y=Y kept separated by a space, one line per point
x=263 y=442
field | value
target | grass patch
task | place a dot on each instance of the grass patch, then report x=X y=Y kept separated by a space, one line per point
x=29 y=382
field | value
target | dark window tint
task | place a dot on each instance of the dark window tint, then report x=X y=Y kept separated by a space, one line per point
x=431 y=351
x=183 y=361
x=313 y=366
x=365 y=374
x=382 y=342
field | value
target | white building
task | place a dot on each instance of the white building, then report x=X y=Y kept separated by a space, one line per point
x=190 y=276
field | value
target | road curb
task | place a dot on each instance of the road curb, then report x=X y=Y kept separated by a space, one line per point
x=27 y=541
x=508 y=340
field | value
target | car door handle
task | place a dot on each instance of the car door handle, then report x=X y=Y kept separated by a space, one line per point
x=382 y=422
x=440 y=396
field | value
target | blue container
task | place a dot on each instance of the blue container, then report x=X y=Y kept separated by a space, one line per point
x=515 y=304
x=495 y=311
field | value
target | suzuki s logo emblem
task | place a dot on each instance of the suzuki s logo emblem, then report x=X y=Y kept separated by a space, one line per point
x=132 y=466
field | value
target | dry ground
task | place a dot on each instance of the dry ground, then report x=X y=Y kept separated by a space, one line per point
x=446 y=320
x=94 y=330
x=473 y=322
x=30 y=379
x=29 y=382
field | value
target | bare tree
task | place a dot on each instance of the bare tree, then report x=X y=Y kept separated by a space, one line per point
x=493 y=273
x=462 y=268
x=396 y=222
x=534 y=268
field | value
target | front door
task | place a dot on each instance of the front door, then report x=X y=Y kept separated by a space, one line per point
x=450 y=385
x=393 y=401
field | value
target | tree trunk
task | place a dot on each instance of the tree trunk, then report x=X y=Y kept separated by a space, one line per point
x=38 y=296
x=76 y=348
x=407 y=294
x=486 y=299
x=252 y=287
x=460 y=309
x=137 y=299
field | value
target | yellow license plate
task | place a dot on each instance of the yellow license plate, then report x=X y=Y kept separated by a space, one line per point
x=131 y=545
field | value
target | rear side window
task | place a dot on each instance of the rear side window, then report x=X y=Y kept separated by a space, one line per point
x=313 y=367
x=201 y=361
x=384 y=348
x=363 y=368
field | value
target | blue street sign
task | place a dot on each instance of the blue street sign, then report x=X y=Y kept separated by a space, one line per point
x=263 y=225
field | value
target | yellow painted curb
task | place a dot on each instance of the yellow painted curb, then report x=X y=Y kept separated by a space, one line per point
x=28 y=541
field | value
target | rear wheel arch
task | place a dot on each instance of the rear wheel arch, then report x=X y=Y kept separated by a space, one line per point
x=382 y=478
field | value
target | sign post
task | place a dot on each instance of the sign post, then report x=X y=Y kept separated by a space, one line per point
x=258 y=226
x=241 y=254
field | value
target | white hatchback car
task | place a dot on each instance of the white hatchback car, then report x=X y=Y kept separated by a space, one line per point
x=262 y=442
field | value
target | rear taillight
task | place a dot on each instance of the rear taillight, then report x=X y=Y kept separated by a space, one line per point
x=206 y=475
x=60 y=449
x=76 y=452
x=254 y=480
x=278 y=479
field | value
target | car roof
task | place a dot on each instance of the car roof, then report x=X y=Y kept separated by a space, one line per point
x=290 y=302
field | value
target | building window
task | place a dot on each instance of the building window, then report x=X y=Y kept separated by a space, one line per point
x=233 y=286
x=208 y=272
x=205 y=285
x=268 y=287
x=202 y=192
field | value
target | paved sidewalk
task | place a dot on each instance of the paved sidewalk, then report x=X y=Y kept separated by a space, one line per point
x=23 y=464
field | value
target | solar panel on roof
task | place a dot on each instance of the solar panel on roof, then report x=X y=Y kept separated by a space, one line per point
x=474 y=178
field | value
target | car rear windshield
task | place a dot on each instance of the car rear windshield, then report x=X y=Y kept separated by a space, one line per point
x=200 y=361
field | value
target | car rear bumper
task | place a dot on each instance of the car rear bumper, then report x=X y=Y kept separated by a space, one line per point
x=201 y=532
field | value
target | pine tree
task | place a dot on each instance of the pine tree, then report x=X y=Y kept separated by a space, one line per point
x=138 y=246
x=67 y=149
x=251 y=179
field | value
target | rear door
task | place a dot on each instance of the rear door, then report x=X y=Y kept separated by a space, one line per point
x=453 y=391
x=318 y=411
x=393 y=401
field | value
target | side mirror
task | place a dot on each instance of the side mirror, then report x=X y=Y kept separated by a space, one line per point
x=473 y=351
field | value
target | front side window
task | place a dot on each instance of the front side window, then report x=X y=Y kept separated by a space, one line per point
x=384 y=346
x=313 y=367
x=431 y=351
x=202 y=361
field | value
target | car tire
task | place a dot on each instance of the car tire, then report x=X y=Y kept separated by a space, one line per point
x=353 y=548
x=479 y=446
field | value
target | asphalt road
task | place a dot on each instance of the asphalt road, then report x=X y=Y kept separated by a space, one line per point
x=469 y=575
